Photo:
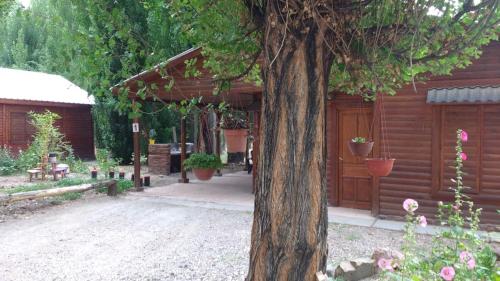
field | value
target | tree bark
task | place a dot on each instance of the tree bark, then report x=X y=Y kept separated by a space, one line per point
x=290 y=217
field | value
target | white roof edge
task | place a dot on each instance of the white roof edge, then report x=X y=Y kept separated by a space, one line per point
x=27 y=85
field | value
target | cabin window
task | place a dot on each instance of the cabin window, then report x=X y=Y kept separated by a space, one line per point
x=482 y=167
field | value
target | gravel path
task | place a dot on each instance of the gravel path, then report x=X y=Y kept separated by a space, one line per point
x=136 y=238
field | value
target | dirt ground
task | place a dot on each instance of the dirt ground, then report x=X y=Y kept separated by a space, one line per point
x=27 y=208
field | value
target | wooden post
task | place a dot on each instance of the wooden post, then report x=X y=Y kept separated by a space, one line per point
x=183 y=178
x=217 y=140
x=137 y=154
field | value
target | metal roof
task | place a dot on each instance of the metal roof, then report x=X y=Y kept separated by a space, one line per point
x=38 y=86
x=490 y=94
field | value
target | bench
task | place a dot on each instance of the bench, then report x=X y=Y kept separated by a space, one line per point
x=34 y=172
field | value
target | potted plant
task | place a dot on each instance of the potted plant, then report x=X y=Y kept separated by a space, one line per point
x=360 y=146
x=203 y=165
x=379 y=167
x=235 y=128
x=152 y=135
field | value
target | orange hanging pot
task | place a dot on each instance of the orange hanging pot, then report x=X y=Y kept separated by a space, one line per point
x=203 y=174
x=360 y=149
x=236 y=140
x=379 y=167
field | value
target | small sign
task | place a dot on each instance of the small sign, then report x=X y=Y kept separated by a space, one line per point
x=135 y=127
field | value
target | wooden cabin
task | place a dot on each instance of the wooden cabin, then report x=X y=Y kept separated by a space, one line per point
x=24 y=91
x=419 y=132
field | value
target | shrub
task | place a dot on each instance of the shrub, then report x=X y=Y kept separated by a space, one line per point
x=202 y=160
x=7 y=162
x=105 y=161
x=458 y=252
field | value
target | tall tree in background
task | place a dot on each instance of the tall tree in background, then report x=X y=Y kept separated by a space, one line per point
x=94 y=44
x=308 y=48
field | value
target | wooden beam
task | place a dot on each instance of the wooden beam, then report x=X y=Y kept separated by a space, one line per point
x=137 y=154
x=9 y=198
x=217 y=139
x=184 y=178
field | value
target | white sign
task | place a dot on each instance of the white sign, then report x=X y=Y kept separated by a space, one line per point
x=135 y=127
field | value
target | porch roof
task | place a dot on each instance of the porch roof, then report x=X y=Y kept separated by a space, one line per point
x=242 y=94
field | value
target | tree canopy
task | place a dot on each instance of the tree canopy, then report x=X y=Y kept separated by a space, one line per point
x=95 y=44
x=378 y=45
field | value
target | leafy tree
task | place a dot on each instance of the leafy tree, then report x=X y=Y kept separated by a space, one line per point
x=95 y=44
x=308 y=49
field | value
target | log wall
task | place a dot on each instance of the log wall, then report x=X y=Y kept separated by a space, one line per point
x=75 y=124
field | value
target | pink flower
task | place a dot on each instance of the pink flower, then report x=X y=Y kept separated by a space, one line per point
x=467 y=257
x=463 y=156
x=385 y=264
x=448 y=272
x=464 y=136
x=471 y=263
x=422 y=221
x=410 y=205
x=455 y=207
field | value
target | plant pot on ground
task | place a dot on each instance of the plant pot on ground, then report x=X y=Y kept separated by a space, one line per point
x=379 y=167
x=203 y=165
x=111 y=174
x=360 y=146
x=235 y=128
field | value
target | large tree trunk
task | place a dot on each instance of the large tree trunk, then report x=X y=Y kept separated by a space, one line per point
x=290 y=218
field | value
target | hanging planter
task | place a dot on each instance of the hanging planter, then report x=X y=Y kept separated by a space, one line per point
x=203 y=174
x=236 y=140
x=203 y=165
x=235 y=125
x=360 y=146
x=379 y=167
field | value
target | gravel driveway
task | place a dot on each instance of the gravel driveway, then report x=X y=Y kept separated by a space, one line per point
x=139 y=238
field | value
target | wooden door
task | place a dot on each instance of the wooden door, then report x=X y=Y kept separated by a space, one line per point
x=354 y=182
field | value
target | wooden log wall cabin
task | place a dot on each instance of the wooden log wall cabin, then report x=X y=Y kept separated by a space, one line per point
x=24 y=91
x=420 y=133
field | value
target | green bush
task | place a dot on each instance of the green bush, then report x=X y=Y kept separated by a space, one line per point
x=7 y=162
x=124 y=185
x=202 y=160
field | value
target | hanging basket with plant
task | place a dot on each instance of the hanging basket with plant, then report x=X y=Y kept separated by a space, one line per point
x=235 y=126
x=203 y=165
x=360 y=146
x=381 y=167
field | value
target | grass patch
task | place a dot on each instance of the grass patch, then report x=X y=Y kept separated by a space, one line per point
x=71 y=196
x=47 y=185
x=121 y=186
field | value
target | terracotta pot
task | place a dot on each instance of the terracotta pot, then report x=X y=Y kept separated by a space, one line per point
x=379 y=167
x=121 y=175
x=111 y=175
x=236 y=140
x=360 y=149
x=203 y=174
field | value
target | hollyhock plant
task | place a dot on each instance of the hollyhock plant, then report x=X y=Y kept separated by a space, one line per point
x=448 y=273
x=422 y=221
x=463 y=156
x=410 y=205
x=464 y=137
x=457 y=252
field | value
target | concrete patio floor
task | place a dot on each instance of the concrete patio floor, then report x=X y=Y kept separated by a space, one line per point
x=233 y=191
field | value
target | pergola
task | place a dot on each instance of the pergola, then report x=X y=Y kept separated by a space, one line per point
x=167 y=83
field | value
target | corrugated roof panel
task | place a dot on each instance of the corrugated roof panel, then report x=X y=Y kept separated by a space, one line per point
x=38 y=86
x=465 y=95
